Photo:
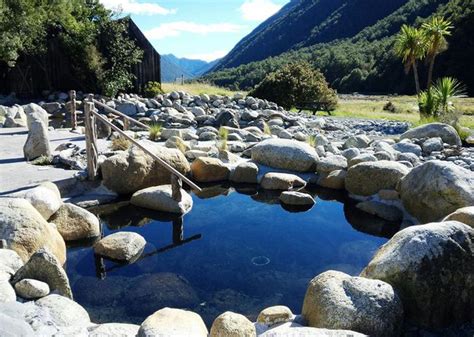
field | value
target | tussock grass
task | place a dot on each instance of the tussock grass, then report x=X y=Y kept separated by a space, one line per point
x=266 y=129
x=155 y=131
x=42 y=161
x=311 y=140
x=198 y=88
x=120 y=144
x=223 y=136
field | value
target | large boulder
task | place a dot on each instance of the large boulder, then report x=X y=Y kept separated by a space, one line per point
x=464 y=215
x=431 y=267
x=370 y=177
x=230 y=324
x=64 y=312
x=335 y=300
x=131 y=171
x=173 y=323
x=46 y=198
x=285 y=154
x=435 y=189
x=332 y=163
x=26 y=231
x=31 y=289
x=7 y=293
x=35 y=112
x=13 y=327
x=206 y=170
x=37 y=142
x=245 y=173
x=159 y=198
x=44 y=266
x=75 y=223
x=121 y=246
x=446 y=132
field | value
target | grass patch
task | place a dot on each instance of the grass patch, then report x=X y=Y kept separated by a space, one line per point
x=197 y=88
x=223 y=136
x=155 y=131
x=311 y=140
x=42 y=161
x=371 y=107
x=120 y=144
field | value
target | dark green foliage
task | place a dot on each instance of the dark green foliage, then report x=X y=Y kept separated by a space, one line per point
x=366 y=62
x=100 y=52
x=152 y=89
x=295 y=84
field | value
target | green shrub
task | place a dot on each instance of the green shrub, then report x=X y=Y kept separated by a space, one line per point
x=42 y=161
x=295 y=84
x=152 y=89
x=223 y=136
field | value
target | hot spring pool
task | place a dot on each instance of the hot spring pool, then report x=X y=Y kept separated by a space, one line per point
x=238 y=249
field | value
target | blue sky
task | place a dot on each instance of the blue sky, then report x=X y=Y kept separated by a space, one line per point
x=197 y=29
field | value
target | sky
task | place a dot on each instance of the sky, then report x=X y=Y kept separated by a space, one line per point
x=196 y=29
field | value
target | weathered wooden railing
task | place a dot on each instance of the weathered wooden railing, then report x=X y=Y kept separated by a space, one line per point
x=90 y=116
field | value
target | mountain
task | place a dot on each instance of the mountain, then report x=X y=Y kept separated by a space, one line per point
x=302 y=23
x=359 y=59
x=173 y=68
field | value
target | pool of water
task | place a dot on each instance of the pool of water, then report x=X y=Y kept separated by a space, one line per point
x=238 y=249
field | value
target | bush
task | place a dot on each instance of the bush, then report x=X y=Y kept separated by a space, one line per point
x=155 y=131
x=152 y=89
x=294 y=84
x=120 y=144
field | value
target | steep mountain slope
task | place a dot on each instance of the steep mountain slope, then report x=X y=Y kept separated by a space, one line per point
x=366 y=62
x=303 y=23
x=173 y=67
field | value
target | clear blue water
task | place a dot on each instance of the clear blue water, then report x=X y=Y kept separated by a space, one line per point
x=238 y=249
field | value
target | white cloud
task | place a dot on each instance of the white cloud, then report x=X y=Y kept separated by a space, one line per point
x=172 y=29
x=208 y=57
x=258 y=10
x=135 y=7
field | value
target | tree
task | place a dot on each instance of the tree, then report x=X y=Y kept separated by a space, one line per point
x=296 y=83
x=410 y=45
x=435 y=31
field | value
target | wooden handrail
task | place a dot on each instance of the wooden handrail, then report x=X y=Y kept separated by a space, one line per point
x=118 y=113
x=163 y=163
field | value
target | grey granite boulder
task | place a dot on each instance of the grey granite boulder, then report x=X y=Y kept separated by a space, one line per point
x=431 y=267
x=336 y=300
x=446 y=132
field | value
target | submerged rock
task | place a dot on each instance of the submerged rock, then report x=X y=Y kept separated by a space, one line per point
x=370 y=177
x=122 y=246
x=75 y=223
x=334 y=180
x=431 y=268
x=159 y=198
x=387 y=212
x=285 y=154
x=173 y=323
x=336 y=300
x=45 y=267
x=435 y=189
x=26 y=231
x=230 y=324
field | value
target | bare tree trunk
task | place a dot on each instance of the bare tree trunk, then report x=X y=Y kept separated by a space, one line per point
x=417 y=81
x=430 y=72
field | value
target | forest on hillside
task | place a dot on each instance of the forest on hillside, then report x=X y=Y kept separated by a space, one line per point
x=366 y=62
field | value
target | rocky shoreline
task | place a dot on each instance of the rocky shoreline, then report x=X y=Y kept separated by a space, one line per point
x=421 y=178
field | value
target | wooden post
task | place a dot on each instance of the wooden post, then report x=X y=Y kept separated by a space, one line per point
x=72 y=107
x=176 y=185
x=91 y=140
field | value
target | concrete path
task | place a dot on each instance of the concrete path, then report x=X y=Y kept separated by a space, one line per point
x=17 y=174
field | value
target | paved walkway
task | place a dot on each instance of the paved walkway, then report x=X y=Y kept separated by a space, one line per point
x=17 y=174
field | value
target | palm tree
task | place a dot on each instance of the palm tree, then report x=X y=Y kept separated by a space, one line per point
x=411 y=47
x=435 y=31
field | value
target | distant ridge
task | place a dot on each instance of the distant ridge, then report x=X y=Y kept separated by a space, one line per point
x=173 y=68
